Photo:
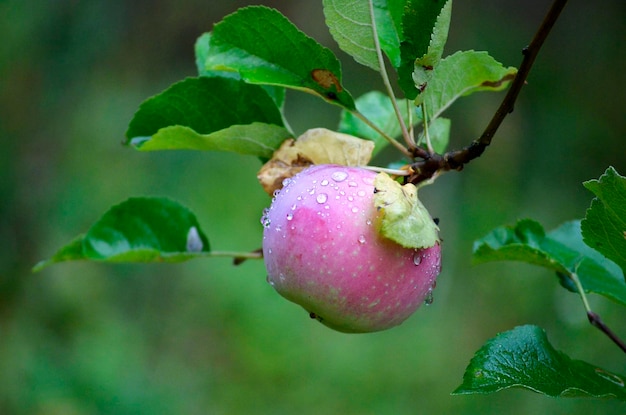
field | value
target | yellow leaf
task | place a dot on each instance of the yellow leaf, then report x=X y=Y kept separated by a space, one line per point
x=315 y=146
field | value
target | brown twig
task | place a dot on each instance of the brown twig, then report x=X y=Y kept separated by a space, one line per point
x=430 y=164
x=597 y=322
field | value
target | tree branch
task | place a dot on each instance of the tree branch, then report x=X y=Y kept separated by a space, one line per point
x=455 y=160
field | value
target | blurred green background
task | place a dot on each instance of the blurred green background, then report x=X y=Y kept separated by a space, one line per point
x=205 y=337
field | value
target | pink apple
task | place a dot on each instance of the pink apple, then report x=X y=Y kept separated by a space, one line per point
x=323 y=251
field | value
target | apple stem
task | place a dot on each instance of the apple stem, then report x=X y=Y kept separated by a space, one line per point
x=393 y=172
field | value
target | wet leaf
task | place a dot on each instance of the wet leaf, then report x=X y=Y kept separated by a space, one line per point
x=524 y=358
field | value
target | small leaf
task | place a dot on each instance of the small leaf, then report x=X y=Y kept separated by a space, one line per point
x=418 y=22
x=524 y=358
x=205 y=105
x=424 y=65
x=138 y=230
x=264 y=47
x=461 y=74
x=404 y=219
x=377 y=107
x=350 y=25
x=255 y=139
x=604 y=226
x=561 y=250
x=315 y=146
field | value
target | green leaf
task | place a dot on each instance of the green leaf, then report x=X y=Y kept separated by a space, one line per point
x=461 y=74
x=203 y=50
x=205 y=106
x=255 y=139
x=404 y=219
x=418 y=22
x=439 y=132
x=604 y=226
x=424 y=65
x=350 y=25
x=138 y=230
x=561 y=250
x=377 y=107
x=73 y=251
x=524 y=358
x=264 y=47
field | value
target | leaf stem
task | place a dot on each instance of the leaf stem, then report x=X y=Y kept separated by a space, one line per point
x=457 y=159
x=593 y=317
x=429 y=145
x=383 y=73
x=386 y=136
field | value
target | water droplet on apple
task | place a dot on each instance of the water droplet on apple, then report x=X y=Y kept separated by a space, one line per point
x=417 y=258
x=286 y=181
x=321 y=198
x=339 y=176
x=361 y=193
x=289 y=216
x=355 y=209
x=324 y=182
x=270 y=280
x=352 y=184
x=265 y=220
x=428 y=300
x=361 y=239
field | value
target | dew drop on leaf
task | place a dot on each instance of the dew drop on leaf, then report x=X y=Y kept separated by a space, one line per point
x=194 y=243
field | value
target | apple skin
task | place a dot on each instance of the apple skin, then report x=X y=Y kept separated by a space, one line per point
x=322 y=250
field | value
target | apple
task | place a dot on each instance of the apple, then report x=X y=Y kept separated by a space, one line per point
x=323 y=250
